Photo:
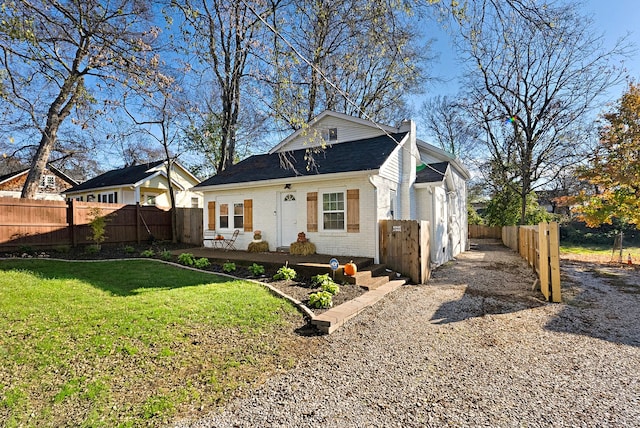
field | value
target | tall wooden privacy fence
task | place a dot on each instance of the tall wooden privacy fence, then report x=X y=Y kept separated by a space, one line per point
x=47 y=224
x=540 y=246
x=404 y=248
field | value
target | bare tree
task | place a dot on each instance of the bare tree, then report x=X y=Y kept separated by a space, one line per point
x=448 y=122
x=357 y=57
x=54 y=57
x=225 y=34
x=531 y=83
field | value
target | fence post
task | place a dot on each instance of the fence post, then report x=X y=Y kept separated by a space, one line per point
x=543 y=245
x=138 y=232
x=71 y=211
x=554 y=250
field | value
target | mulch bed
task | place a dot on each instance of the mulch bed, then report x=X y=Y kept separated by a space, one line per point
x=299 y=289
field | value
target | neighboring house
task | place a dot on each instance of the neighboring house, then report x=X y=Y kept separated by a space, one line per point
x=145 y=184
x=366 y=173
x=52 y=184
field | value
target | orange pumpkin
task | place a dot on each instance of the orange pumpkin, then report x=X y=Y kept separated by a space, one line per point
x=350 y=268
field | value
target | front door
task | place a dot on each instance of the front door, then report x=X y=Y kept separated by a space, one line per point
x=288 y=218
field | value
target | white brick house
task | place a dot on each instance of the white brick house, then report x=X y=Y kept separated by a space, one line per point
x=334 y=180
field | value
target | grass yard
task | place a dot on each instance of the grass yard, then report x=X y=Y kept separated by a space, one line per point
x=131 y=343
x=599 y=253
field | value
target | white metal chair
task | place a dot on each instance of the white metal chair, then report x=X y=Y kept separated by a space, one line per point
x=229 y=244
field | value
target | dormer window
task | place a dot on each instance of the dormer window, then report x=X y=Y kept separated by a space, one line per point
x=330 y=134
x=48 y=181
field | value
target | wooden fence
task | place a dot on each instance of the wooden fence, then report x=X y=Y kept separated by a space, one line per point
x=540 y=246
x=481 y=231
x=47 y=224
x=404 y=248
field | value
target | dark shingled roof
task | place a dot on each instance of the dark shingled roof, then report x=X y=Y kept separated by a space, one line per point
x=433 y=173
x=360 y=155
x=118 y=177
x=12 y=174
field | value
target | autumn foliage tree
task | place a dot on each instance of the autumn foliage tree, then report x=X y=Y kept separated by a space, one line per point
x=614 y=168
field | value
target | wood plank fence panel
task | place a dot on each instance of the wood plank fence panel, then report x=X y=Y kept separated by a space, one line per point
x=37 y=223
x=540 y=247
x=510 y=237
x=480 y=231
x=404 y=248
x=33 y=223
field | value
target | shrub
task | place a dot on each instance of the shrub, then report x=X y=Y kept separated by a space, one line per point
x=228 y=267
x=92 y=249
x=331 y=287
x=319 y=280
x=186 y=259
x=256 y=269
x=285 y=272
x=165 y=255
x=147 y=253
x=129 y=249
x=98 y=225
x=25 y=249
x=62 y=249
x=202 y=263
x=321 y=299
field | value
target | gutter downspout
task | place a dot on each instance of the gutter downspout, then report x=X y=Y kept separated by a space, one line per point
x=376 y=258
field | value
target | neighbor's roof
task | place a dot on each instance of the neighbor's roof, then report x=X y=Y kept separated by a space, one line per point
x=51 y=168
x=118 y=177
x=360 y=155
x=433 y=173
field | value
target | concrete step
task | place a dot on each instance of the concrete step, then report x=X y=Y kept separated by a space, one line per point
x=329 y=321
x=370 y=277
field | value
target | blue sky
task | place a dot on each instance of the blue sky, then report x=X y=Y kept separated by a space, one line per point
x=612 y=18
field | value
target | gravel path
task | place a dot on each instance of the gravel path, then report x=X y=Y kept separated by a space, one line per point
x=474 y=347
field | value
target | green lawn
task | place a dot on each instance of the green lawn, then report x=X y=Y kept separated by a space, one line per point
x=130 y=343
x=598 y=250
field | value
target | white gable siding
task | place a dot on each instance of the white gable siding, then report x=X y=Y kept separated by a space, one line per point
x=390 y=169
x=347 y=131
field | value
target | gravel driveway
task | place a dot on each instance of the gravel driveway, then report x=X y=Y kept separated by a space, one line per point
x=474 y=347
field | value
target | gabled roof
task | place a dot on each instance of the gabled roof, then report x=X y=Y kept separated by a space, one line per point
x=51 y=168
x=119 y=177
x=438 y=153
x=433 y=173
x=360 y=155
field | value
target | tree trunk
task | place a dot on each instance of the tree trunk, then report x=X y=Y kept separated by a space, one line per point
x=39 y=163
x=58 y=111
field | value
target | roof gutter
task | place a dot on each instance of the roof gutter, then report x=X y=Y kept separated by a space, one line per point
x=283 y=181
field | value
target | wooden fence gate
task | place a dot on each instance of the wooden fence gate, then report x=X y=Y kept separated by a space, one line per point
x=404 y=248
x=190 y=225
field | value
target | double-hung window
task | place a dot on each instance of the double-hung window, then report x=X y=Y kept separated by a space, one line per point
x=238 y=215
x=333 y=211
x=231 y=215
x=223 y=219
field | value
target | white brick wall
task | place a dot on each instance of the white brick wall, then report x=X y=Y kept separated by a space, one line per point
x=265 y=208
